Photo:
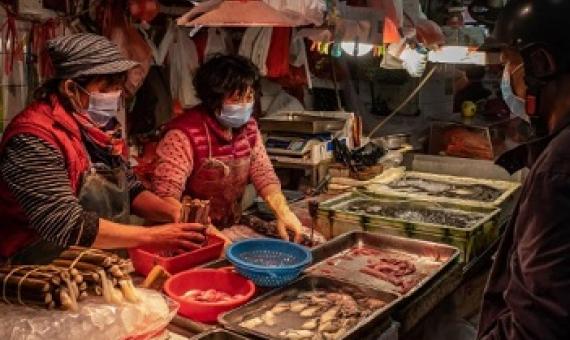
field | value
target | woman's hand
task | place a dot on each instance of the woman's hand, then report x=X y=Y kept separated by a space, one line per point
x=186 y=236
x=286 y=220
x=289 y=221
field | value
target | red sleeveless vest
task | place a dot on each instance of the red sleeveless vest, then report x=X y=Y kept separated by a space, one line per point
x=209 y=140
x=51 y=123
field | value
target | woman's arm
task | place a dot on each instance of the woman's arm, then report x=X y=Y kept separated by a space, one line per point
x=174 y=165
x=268 y=187
x=35 y=173
x=153 y=208
x=111 y=235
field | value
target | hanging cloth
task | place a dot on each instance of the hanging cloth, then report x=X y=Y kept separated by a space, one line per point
x=183 y=62
x=278 y=56
x=255 y=46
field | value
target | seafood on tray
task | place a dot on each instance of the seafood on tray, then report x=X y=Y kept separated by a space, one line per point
x=210 y=295
x=477 y=192
x=391 y=270
x=419 y=213
x=317 y=314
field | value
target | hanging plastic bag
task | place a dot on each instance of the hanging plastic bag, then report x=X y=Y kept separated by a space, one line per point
x=130 y=42
x=218 y=42
x=183 y=62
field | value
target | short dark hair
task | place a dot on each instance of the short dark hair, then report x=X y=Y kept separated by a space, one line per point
x=222 y=75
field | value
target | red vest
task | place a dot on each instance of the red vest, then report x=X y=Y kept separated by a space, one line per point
x=208 y=138
x=53 y=124
x=193 y=123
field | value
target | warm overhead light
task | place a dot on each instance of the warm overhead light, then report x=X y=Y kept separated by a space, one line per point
x=362 y=48
x=462 y=55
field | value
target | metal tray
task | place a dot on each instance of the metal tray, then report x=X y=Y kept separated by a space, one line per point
x=334 y=220
x=381 y=185
x=231 y=320
x=300 y=123
x=218 y=334
x=444 y=254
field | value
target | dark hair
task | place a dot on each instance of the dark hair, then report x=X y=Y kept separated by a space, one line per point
x=222 y=75
x=51 y=86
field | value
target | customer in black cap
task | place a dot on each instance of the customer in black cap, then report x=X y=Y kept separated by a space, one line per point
x=528 y=293
x=64 y=177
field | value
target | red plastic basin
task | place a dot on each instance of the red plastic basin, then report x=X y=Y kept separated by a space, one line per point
x=204 y=279
x=144 y=259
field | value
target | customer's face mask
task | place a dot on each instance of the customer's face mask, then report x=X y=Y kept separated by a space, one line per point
x=235 y=115
x=103 y=106
x=516 y=104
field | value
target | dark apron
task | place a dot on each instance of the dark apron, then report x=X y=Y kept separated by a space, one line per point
x=104 y=191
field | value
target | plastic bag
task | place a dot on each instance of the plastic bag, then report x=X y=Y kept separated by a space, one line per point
x=130 y=42
x=219 y=42
x=183 y=62
x=95 y=320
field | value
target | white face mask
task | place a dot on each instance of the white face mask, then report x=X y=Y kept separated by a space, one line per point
x=103 y=106
x=516 y=104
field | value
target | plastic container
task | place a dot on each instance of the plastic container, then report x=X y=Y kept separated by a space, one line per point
x=144 y=259
x=269 y=262
x=219 y=279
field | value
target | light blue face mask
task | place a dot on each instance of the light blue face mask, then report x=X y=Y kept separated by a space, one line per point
x=102 y=106
x=516 y=104
x=235 y=115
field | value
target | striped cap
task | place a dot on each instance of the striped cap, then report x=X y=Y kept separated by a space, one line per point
x=86 y=54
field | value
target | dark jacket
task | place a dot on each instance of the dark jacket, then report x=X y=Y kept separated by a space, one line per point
x=528 y=293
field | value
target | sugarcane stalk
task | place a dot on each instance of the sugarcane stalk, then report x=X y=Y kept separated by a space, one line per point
x=115 y=270
x=97 y=259
x=28 y=283
x=37 y=303
x=91 y=277
x=30 y=295
x=78 y=278
x=67 y=301
x=53 y=278
x=83 y=266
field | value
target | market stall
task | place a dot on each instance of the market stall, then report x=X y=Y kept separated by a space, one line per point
x=328 y=190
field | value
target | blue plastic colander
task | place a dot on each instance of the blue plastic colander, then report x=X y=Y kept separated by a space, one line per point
x=269 y=262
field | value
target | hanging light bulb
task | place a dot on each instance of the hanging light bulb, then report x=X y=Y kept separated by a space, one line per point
x=355 y=48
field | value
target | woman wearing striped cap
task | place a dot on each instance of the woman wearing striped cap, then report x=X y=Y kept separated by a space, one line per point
x=64 y=176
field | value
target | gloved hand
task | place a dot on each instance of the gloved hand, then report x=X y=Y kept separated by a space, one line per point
x=413 y=61
x=286 y=220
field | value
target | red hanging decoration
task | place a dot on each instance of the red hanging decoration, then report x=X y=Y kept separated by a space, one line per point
x=143 y=10
x=11 y=45
x=41 y=33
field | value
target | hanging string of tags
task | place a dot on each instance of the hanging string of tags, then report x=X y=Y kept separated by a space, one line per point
x=335 y=48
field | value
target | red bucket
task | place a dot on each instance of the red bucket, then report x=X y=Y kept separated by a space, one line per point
x=204 y=279
x=144 y=259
